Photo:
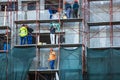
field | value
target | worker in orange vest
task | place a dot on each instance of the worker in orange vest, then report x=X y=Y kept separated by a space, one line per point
x=52 y=58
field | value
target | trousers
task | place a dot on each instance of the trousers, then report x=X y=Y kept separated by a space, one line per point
x=29 y=39
x=52 y=64
x=23 y=40
x=52 y=38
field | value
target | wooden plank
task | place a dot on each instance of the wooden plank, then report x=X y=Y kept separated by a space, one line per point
x=98 y=0
x=47 y=45
x=103 y=23
x=4 y=27
x=57 y=45
x=102 y=48
x=43 y=70
x=48 y=33
x=25 y=46
x=71 y=20
x=3 y=51
x=46 y=21
x=26 y=21
x=70 y=45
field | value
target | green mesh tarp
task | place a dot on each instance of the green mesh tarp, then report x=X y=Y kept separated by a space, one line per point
x=103 y=64
x=115 y=64
x=70 y=64
x=16 y=64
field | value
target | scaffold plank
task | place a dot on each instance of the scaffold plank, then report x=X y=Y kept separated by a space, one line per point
x=98 y=0
x=103 y=23
x=4 y=27
x=102 y=48
x=44 y=70
x=3 y=51
x=47 y=45
x=25 y=46
x=48 y=33
x=46 y=21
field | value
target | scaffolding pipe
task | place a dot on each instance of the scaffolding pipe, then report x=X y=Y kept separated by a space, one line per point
x=37 y=38
x=59 y=8
x=111 y=25
x=83 y=40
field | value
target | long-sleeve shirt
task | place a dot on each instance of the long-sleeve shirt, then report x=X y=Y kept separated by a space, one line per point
x=75 y=5
x=67 y=5
x=52 y=30
x=30 y=30
x=55 y=25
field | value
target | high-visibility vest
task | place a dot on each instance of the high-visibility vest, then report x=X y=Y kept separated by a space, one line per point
x=52 y=55
x=23 y=31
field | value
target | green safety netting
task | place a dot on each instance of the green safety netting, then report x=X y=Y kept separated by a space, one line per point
x=70 y=64
x=15 y=65
x=103 y=64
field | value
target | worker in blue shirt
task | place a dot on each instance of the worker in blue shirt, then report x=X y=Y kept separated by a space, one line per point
x=51 y=12
x=68 y=9
x=30 y=37
x=75 y=9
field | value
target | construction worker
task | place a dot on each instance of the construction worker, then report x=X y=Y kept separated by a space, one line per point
x=29 y=37
x=51 y=12
x=23 y=32
x=52 y=58
x=68 y=9
x=52 y=34
x=75 y=9
x=53 y=27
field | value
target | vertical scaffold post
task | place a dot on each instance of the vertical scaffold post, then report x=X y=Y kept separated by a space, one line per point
x=111 y=19
x=84 y=71
x=37 y=38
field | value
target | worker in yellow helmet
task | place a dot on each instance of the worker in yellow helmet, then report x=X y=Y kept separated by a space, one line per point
x=23 y=32
x=52 y=58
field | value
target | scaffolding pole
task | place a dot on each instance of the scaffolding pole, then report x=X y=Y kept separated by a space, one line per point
x=37 y=38
x=111 y=25
x=84 y=71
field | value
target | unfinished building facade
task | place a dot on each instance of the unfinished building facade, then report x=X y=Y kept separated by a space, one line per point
x=87 y=46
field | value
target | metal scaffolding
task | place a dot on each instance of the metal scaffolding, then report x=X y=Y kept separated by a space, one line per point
x=85 y=21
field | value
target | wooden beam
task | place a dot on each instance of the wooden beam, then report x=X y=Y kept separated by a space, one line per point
x=43 y=70
x=25 y=46
x=98 y=0
x=48 y=33
x=102 y=48
x=47 y=45
x=4 y=27
x=46 y=21
x=3 y=51
x=103 y=23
